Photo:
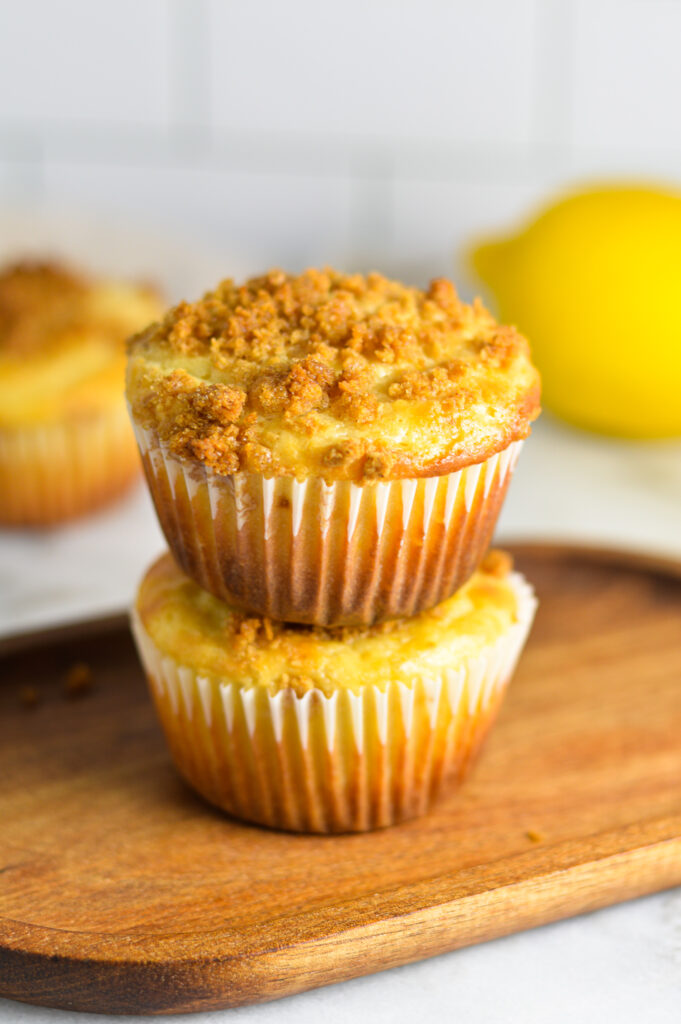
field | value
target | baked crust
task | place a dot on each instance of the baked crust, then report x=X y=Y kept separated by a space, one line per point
x=210 y=636
x=62 y=342
x=332 y=375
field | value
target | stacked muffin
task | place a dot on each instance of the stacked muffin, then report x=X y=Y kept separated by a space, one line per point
x=328 y=455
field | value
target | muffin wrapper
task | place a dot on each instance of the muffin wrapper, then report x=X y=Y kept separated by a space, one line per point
x=328 y=554
x=58 y=471
x=339 y=763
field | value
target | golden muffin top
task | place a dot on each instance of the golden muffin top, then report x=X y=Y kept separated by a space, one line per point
x=334 y=375
x=62 y=341
x=199 y=631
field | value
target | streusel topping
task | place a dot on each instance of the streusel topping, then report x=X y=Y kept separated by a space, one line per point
x=344 y=376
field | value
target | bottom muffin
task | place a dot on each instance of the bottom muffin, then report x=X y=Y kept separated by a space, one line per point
x=314 y=730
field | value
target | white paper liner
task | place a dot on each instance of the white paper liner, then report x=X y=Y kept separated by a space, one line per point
x=54 y=471
x=329 y=554
x=344 y=762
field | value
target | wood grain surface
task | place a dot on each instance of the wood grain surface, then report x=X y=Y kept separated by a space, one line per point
x=121 y=891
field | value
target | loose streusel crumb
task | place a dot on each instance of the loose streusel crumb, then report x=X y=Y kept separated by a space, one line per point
x=497 y=563
x=346 y=376
x=29 y=697
x=79 y=680
x=534 y=836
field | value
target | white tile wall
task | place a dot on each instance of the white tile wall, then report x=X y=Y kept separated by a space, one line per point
x=376 y=70
x=628 y=75
x=372 y=132
x=436 y=223
x=78 y=60
x=295 y=219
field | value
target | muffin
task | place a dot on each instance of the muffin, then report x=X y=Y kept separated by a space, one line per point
x=66 y=446
x=330 y=449
x=317 y=730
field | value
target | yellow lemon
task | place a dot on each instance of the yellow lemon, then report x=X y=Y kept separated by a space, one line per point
x=595 y=284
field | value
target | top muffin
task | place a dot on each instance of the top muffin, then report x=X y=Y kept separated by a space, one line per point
x=62 y=341
x=339 y=376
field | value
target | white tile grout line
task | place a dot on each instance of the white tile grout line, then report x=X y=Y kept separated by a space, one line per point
x=374 y=164
x=112 y=145
x=351 y=156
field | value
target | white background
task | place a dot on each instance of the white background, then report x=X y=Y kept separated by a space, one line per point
x=221 y=137
x=367 y=132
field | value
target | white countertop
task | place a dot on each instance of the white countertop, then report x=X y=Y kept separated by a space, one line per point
x=622 y=964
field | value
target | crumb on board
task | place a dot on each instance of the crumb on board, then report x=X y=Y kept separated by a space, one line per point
x=29 y=697
x=497 y=563
x=79 y=680
x=534 y=836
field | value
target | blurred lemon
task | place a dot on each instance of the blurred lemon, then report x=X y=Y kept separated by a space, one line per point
x=595 y=284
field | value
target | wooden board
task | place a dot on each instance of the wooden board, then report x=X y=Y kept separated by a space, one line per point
x=121 y=891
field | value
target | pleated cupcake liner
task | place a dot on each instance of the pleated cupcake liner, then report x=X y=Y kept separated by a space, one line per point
x=348 y=761
x=53 y=472
x=327 y=554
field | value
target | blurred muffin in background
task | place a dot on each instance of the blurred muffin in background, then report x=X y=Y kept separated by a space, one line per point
x=66 y=446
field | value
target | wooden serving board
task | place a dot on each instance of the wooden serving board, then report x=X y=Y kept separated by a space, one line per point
x=121 y=891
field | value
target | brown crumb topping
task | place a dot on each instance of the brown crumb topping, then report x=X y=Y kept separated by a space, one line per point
x=40 y=302
x=294 y=355
x=35 y=299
